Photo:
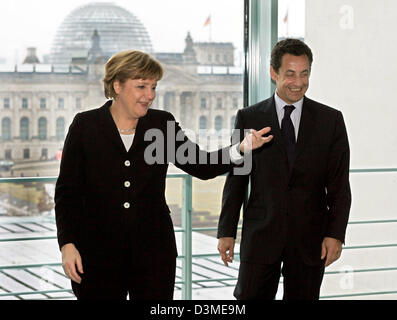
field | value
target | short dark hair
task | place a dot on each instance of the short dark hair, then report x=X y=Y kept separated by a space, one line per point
x=292 y=46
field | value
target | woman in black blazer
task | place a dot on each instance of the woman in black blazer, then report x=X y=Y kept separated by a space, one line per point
x=114 y=228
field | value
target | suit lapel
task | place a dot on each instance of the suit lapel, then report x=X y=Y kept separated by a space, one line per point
x=272 y=121
x=109 y=128
x=140 y=131
x=306 y=128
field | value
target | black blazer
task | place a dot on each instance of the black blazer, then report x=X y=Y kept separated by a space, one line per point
x=298 y=207
x=102 y=214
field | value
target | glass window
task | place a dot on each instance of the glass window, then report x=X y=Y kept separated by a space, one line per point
x=352 y=44
x=42 y=128
x=67 y=75
x=43 y=103
x=24 y=103
x=60 y=129
x=61 y=58
x=26 y=153
x=6 y=129
x=8 y=154
x=203 y=104
x=203 y=122
x=218 y=123
x=24 y=129
x=6 y=103
x=61 y=103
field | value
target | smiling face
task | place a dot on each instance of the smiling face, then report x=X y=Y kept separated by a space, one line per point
x=292 y=78
x=135 y=96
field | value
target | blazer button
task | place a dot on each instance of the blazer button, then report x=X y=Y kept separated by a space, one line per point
x=127 y=184
x=126 y=205
x=127 y=163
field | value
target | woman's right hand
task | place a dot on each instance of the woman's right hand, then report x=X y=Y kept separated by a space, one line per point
x=70 y=260
x=254 y=140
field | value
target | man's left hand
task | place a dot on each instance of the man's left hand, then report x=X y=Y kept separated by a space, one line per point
x=331 y=249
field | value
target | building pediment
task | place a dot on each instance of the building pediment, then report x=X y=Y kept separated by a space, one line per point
x=180 y=74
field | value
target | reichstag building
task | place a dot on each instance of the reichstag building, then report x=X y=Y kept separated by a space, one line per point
x=38 y=99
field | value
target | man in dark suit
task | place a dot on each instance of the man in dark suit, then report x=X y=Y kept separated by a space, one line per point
x=299 y=201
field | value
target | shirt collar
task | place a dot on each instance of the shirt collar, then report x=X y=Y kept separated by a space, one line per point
x=280 y=104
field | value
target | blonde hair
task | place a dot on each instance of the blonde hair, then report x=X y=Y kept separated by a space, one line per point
x=131 y=64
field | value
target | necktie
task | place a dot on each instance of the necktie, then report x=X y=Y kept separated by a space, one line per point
x=288 y=131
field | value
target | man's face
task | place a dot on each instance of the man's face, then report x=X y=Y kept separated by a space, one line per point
x=292 y=79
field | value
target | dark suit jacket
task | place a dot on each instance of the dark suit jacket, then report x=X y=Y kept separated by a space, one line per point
x=90 y=191
x=297 y=208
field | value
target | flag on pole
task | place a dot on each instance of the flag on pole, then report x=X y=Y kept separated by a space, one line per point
x=285 y=20
x=208 y=21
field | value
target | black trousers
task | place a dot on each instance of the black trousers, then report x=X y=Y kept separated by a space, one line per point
x=300 y=281
x=142 y=278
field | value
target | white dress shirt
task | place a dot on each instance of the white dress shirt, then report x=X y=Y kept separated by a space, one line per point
x=127 y=140
x=295 y=114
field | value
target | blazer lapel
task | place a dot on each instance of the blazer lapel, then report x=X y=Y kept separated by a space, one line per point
x=306 y=128
x=109 y=128
x=140 y=131
x=272 y=121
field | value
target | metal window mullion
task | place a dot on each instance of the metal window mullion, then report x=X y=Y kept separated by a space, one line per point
x=262 y=36
x=187 y=238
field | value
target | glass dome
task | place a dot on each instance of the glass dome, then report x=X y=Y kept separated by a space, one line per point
x=118 y=29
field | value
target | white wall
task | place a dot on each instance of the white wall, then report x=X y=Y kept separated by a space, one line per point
x=355 y=70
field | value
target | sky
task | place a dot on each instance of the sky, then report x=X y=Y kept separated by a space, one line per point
x=27 y=23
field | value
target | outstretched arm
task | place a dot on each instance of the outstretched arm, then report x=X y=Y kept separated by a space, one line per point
x=206 y=165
